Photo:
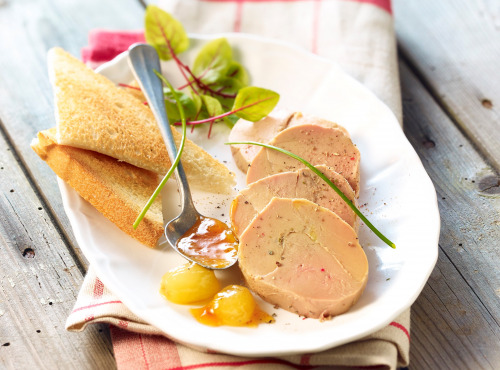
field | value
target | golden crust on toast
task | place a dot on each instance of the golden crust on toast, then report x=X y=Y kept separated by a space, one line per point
x=116 y=189
x=94 y=114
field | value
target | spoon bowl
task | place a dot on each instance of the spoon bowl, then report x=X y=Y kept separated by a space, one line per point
x=205 y=241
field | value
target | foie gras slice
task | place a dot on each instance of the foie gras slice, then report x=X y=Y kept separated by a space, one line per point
x=303 y=258
x=318 y=145
x=299 y=119
x=261 y=131
x=298 y=184
x=265 y=130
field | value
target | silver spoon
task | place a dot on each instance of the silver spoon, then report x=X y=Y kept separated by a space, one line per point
x=143 y=60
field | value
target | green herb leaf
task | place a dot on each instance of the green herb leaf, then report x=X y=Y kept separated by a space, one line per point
x=164 y=33
x=327 y=180
x=237 y=71
x=227 y=88
x=212 y=106
x=254 y=103
x=231 y=120
x=198 y=103
x=227 y=85
x=177 y=157
x=213 y=60
x=171 y=104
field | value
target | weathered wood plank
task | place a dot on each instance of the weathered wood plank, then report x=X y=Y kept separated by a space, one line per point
x=26 y=105
x=39 y=282
x=450 y=325
x=456 y=320
x=455 y=47
x=37 y=294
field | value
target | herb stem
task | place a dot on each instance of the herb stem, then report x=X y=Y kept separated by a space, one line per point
x=206 y=88
x=182 y=66
x=177 y=157
x=220 y=116
x=201 y=85
x=328 y=181
x=130 y=87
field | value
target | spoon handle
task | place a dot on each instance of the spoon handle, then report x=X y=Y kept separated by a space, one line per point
x=143 y=60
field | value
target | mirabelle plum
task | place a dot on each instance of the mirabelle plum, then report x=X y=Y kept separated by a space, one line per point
x=233 y=306
x=189 y=283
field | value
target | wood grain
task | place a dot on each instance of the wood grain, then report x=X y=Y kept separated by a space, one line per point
x=39 y=282
x=26 y=101
x=41 y=266
x=451 y=118
x=456 y=320
x=454 y=47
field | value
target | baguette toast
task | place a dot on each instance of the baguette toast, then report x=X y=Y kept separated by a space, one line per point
x=93 y=113
x=116 y=189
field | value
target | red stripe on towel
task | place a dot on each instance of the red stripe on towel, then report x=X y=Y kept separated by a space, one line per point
x=141 y=351
x=93 y=305
x=399 y=326
x=98 y=289
x=384 y=4
x=239 y=14
x=305 y=359
x=104 y=45
x=241 y=363
x=315 y=32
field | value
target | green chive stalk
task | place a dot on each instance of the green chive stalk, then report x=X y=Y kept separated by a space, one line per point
x=177 y=157
x=328 y=181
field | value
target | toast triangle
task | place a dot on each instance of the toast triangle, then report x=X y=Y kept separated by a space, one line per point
x=93 y=113
x=116 y=189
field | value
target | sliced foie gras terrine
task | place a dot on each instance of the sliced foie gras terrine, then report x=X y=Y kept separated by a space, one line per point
x=298 y=184
x=266 y=129
x=318 y=145
x=261 y=131
x=303 y=258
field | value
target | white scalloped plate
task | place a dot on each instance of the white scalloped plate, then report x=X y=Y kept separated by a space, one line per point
x=397 y=196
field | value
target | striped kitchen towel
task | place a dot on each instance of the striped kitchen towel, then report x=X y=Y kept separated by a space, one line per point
x=138 y=345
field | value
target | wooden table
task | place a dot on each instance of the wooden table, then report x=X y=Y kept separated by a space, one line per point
x=449 y=56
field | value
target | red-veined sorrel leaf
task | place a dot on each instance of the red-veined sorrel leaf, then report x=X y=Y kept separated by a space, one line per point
x=172 y=105
x=212 y=105
x=254 y=103
x=213 y=61
x=164 y=33
x=237 y=72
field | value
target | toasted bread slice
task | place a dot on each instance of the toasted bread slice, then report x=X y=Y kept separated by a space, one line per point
x=134 y=89
x=94 y=114
x=116 y=189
